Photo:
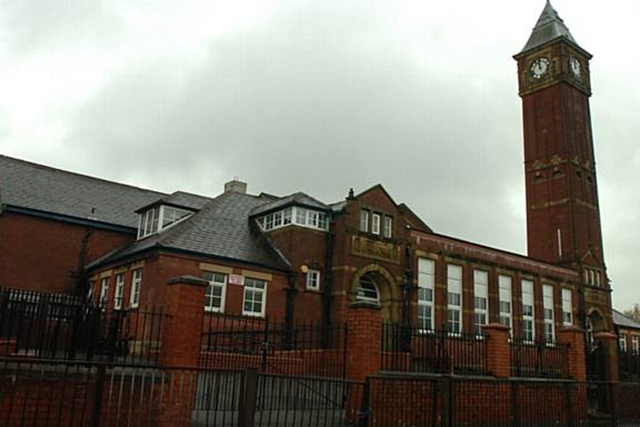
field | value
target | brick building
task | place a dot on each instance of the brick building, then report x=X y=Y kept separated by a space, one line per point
x=298 y=258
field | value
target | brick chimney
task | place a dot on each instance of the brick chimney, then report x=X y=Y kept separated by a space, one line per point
x=235 y=186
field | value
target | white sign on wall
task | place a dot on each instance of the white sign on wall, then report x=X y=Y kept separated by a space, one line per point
x=236 y=279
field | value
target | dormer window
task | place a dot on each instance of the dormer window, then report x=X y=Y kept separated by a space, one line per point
x=294 y=215
x=158 y=218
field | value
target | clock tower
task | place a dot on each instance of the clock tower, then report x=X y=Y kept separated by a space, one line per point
x=563 y=217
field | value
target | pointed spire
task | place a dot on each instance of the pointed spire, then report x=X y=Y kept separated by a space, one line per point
x=549 y=27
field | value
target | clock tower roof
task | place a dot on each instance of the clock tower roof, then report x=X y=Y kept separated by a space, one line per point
x=549 y=27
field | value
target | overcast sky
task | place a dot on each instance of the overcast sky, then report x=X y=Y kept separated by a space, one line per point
x=319 y=96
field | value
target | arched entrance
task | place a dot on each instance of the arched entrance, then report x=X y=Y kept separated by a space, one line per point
x=596 y=321
x=375 y=283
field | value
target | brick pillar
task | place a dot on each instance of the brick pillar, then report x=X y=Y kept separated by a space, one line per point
x=497 y=350
x=181 y=348
x=609 y=343
x=577 y=364
x=364 y=340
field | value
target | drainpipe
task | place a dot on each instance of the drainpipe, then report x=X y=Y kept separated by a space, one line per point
x=327 y=284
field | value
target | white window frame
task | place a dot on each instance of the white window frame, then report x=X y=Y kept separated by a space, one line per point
x=505 y=295
x=219 y=281
x=251 y=290
x=388 y=226
x=528 y=300
x=480 y=299
x=364 y=220
x=454 y=299
x=549 y=315
x=313 y=280
x=104 y=291
x=426 y=294
x=136 y=284
x=119 y=292
x=304 y=217
x=622 y=342
x=361 y=292
x=375 y=223
x=635 y=344
x=567 y=307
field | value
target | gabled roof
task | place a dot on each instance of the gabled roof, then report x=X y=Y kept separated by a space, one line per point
x=549 y=27
x=619 y=319
x=180 y=199
x=41 y=189
x=298 y=199
x=222 y=229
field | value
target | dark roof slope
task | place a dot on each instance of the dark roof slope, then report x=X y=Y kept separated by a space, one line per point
x=620 y=319
x=37 y=187
x=549 y=27
x=221 y=229
x=298 y=199
x=180 y=199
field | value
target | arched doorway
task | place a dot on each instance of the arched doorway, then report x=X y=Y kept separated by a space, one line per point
x=374 y=283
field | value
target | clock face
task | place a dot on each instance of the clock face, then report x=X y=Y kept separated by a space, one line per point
x=539 y=67
x=575 y=66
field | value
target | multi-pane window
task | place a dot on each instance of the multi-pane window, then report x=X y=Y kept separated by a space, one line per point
x=567 y=307
x=528 y=310
x=635 y=345
x=104 y=291
x=214 y=296
x=388 y=226
x=313 y=280
x=254 y=297
x=505 y=295
x=117 y=299
x=160 y=217
x=294 y=215
x=480 y=297
x=454 y=298
x=375 y=223
x=622 y=340
x=136 y=283
x=426 y=269
x=547 y=303
x=364 y=220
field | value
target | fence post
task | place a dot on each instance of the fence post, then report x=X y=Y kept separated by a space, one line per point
x=248 y=398
x=574 y=338
x=446 y=400
x=497 y=350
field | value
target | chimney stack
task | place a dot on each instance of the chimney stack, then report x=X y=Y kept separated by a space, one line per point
x=235 y=186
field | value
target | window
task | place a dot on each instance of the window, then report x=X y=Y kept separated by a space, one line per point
x=171 y=215
x=214 y=296
x=454 y=298
x=504 y=284
x=134 y=298
x=148 y=222
x=159 y=218
x=622 y=340
x=547 y=302
x=635 y=346
x=254 y=297
x=388 y=226
x=426 y=269
x=528 y=316
x=567 y=307
x=480 y=294
x=313 y=280
x=375 y=224
x=287 y=216
x=117 y=299
x=367 y=289
x=294 y=215
x=104 y=291
x=364 y=220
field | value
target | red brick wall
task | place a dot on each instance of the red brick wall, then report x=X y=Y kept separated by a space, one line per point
x=39 y=254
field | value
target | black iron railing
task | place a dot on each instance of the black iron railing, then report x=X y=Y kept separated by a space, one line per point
x=410 y=349
x=61 y=327
x=629 y=364
x=539 y=359
x=272 y=346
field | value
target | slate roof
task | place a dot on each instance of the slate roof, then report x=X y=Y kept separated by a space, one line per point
x=181 y=199
x=549 y=27
x=221 y=229
x=298 y=199
x=620 y=319
x=41 y=188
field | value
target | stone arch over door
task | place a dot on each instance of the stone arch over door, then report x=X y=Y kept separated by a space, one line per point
x=598 y=321
x=387 y=288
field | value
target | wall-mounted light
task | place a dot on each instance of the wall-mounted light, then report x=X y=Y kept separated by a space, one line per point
x=304 y=268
